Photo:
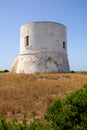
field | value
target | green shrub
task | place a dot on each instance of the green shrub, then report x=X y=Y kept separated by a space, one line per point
x=6 y=71
x=40 y=124
x=13 y=125
x=72 y=71
x=71 y=113
x=2 y=71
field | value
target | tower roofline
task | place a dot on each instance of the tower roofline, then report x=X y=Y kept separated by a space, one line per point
x=35 y=22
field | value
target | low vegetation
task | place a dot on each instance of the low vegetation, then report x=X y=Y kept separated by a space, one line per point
x=29 y=95
x=64 y=114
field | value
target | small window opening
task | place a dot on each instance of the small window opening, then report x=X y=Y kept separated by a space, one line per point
x=64 y=44
x=27 y=41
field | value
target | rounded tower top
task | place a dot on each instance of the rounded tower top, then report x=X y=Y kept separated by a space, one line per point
x=43 y=37
x=44 y=22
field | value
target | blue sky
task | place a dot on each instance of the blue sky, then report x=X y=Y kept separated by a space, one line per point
x=72 y=13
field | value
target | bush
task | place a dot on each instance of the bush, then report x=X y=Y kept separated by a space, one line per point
x=72 y=71
x=2 y=71
x=71 y=113
x=40 y=124
x=13 y=125
x=6 y=71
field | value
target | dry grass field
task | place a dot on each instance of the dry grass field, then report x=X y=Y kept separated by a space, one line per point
x=29 y=95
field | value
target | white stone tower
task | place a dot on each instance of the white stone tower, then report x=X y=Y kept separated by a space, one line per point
x=43 y=48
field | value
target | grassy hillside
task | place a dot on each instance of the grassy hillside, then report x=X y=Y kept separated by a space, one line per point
x=30 y=94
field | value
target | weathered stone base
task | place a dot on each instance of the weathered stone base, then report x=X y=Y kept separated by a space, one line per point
x=40 y=63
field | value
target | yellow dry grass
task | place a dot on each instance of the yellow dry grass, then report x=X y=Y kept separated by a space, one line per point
x=30 y=94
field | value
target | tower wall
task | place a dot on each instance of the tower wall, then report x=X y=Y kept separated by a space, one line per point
x=43 y=48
